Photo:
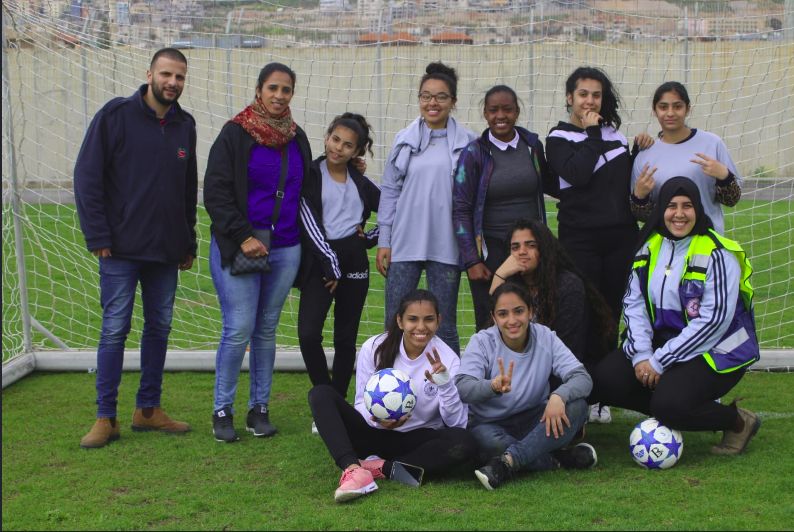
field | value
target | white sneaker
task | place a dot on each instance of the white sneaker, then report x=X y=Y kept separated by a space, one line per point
x=600 y=414
x=314 y=428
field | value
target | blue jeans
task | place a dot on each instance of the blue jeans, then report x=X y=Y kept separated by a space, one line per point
x=118 y=281
x=442 y=279
x=250 y=307
x=524 y=437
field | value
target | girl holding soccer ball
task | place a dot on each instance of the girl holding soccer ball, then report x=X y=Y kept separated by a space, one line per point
x=690 y=329
x=432 y=437
x=518 y=422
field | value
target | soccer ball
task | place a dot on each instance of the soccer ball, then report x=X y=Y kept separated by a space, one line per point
x=388 y=394
x=655 y=446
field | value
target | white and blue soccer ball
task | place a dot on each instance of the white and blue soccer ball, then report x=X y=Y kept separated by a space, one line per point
x=388 y=394
x=654 y=445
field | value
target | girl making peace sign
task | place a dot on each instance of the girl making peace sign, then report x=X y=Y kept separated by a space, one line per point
x=522 y=427
x=432 y=437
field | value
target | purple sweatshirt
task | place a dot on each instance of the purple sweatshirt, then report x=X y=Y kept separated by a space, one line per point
x=264 y=170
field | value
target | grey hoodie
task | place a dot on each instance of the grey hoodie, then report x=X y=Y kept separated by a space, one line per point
x=544 y=355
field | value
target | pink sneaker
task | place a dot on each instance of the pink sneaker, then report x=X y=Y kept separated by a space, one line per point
x=353 y=484
x=373 y=464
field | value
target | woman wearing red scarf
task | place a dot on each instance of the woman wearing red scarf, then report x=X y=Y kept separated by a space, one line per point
x=240 y=185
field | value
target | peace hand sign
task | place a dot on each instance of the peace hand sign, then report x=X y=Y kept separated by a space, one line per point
x=711 y=167
x=501 y=383
x=645 y=182
x=439 y=374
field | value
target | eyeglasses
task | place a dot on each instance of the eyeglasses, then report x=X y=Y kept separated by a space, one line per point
x=441 y=97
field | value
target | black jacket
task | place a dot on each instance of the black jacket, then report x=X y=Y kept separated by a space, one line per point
x=314 y=242
x=597 y=197
x=226 y=186
x=135 y=182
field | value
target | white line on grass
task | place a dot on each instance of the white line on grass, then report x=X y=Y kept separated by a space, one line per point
x=763 y=415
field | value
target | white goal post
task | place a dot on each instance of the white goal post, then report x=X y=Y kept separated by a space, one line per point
x=63 y=59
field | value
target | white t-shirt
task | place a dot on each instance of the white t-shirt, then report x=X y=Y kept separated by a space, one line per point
x=437 y=406
x=342 y=205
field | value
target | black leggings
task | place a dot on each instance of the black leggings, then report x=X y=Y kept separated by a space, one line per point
x=684 y=398
x=480 y=290
x=349 y=437
x=315 y=301
x=604 y=256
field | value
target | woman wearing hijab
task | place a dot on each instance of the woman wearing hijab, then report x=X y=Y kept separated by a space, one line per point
x=690 y=329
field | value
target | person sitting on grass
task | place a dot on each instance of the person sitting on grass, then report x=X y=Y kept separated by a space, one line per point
x=562 y=298
x=690 y=330
x=517 y=423
x=432 y=436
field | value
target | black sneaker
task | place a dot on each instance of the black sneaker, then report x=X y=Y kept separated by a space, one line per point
x=223 y=425
x=258 y=422
x=495 y=473
x=580 y=456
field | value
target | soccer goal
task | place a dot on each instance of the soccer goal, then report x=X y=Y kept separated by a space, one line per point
x=63 y=59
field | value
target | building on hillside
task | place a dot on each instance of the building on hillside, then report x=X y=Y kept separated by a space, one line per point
x=451 y=37
x=389 y=39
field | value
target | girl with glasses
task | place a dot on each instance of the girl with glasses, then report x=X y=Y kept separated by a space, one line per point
x=415 y=211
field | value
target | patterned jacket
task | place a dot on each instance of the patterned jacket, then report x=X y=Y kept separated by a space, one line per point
x=469 y=188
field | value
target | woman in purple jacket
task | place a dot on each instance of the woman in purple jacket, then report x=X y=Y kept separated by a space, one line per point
x=240 y=186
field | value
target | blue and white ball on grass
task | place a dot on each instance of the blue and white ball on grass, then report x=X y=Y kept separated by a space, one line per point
x=388 y=394
x=654 y=445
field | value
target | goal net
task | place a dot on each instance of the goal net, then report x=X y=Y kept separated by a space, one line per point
x=63 y=59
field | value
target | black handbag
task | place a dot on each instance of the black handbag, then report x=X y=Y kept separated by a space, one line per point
x=242 y=264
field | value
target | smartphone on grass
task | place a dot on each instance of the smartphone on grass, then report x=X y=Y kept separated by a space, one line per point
x=407 y=474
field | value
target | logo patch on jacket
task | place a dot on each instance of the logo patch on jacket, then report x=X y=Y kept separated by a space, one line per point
x=693 y=308
x=430 y=389
x=181 y=153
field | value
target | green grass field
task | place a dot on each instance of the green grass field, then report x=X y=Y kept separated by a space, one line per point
x=64 y=295
x=162 y=482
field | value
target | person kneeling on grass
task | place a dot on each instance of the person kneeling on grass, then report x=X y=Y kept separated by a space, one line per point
x=432 y=437
x=690 y=329
x=518 y=424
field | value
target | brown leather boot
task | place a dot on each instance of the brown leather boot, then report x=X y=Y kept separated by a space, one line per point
x=736 y=442
x=104 y=431
x=154 y=418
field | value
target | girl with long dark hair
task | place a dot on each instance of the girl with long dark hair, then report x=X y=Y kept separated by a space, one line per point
x=432 y=437
x=520 y=422
x=561 y=298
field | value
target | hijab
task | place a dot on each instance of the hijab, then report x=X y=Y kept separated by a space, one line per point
x=676 y=186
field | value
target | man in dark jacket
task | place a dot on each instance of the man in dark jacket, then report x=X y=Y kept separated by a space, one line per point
x=135 y=185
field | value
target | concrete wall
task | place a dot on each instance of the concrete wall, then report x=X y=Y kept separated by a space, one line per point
x=741 y=90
